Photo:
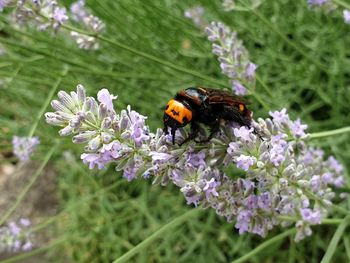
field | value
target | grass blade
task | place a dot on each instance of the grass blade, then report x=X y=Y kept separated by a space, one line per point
x=159 y=233
x=47 y=102
x=264 y=245
x=335 y=240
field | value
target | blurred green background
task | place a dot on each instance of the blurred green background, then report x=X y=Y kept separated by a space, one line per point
x=303 y=58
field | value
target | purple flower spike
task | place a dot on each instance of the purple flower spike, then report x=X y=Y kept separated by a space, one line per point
x=281 y=170
x=317 y=2
x=346 y=15
x=233 y=57
x=23 y=147
x=4 y=3
x=15 y=237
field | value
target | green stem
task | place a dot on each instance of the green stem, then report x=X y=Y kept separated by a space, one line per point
x=335 y=240
x=263 y=84
x=159 y=233
x=285 y=39
x=34 y=252
x=147 y=56
x=264 y=245
x=326 y=221
x=47 y=102
x=343 y=4
x=347 y=246
x=82 y=200
x=329 y=133
x=28 y=186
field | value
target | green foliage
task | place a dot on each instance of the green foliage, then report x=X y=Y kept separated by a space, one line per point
x=303 y=59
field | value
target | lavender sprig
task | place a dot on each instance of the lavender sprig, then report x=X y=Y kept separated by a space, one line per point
x=233 y=57
x=230 y=5
x=346 y=15
x=285 y=181
x=15 y=237
x=42 y=14
x=46 y=14
x=196 y=15
x=329 y=6
x=93 y=24
x=4 y=3
x=23 y=147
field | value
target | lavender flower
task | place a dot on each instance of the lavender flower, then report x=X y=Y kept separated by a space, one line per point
x=15 y=237
x=285 y=182
x=326 y=5
x=4 y=3
x=346 y=15
x=196 y=15
x=42 y=14
x=109 y=137
x=23 y=147
x=317 y=2
x=47 y=14
x=59 y=15
x=233 y=57
x=231 y=5
x=79 y=11
x=93 y=24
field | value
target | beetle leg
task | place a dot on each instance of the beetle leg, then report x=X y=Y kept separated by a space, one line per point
x=213 y=130
x=165 y=129
x=193 y=133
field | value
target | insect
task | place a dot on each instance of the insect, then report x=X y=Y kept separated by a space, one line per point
x=208 y=106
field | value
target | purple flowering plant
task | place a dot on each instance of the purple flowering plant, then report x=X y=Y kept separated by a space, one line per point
x=259 y=178
x=16 y=236
x=48 y=14
x=286 y=182
x=23 y=147
x=233 y=57
x=330 y=6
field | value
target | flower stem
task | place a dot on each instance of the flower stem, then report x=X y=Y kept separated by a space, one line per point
x=159 y=233
x=264 y=245
x=343 y=4
x=47 y=102
x=160 y=61
x=21 y=196
x=147 y=56
x=82 y=200
x=326 y=221
x=298 y=48
x=329 y=133
x=263 y=84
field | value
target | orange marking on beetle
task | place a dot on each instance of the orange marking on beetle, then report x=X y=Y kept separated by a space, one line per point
x=178 y=111
x=241 y=107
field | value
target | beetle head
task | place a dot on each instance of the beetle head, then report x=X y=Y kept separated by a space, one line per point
x=176 y=115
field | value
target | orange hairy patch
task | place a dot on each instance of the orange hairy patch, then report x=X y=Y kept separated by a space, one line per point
x=178 y=111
